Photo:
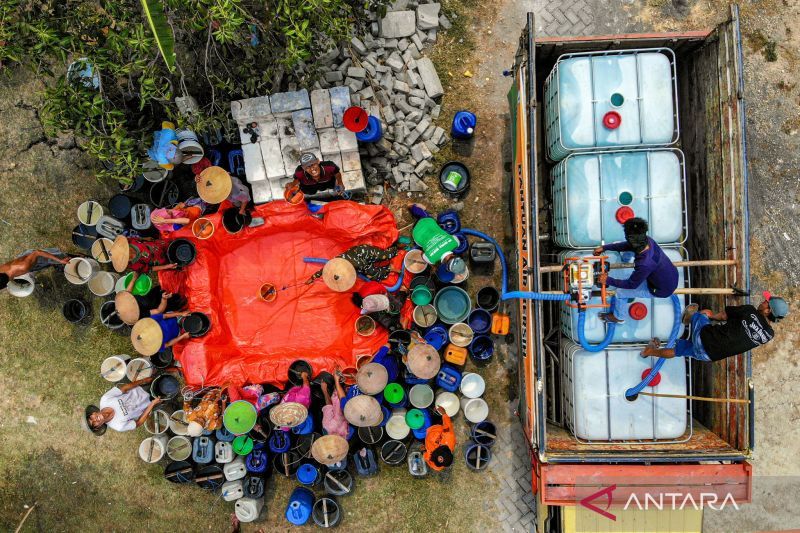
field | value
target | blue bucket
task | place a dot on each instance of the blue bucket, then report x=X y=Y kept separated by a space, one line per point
x=481 y=350
x=480 y=321
x=306 y=427
x=308 y=475
x=444 y=275
x=279 y=442
x=436 y=336
x=484 y=433
x=477 y=456
x=372 y=133
x=257 y=461
x=298 y=511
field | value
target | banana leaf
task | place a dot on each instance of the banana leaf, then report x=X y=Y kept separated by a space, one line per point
x=154 y=11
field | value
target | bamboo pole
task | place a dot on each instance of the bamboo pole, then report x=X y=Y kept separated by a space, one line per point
x=699 y=398
x=546 y=269
x=690 y=290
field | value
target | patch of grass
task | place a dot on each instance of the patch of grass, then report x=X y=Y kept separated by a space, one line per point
x=759 y=42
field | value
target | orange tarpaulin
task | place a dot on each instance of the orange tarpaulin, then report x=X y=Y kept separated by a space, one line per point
x=252 y=341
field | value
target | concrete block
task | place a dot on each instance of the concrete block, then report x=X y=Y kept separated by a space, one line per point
x=273 y=158
x=356 y=72
x=436 y=111
x=438 y=136
x=304 y=129
x=371 y=69
x=347 y=140
x=358 y=45
x=416 y=151
x=382 y=69
x=353 y=181
x=321 y=108
x=285 y=126
x=388 y=115
x=428 y=133
x=328 y=141
x=431 y=36
x=398 y=5
x=400 y=87
x=391 y=44
x=397 y=176
x=416 y=185
x=340 y=101
x=277 y=186
x=333 y=76
x=251 y=109
x=383 y=98
x=422 y=168
x=418 y=40
x=444 y=22
x=402 y=44
x=262 y=192
x=367 y=93
x=428 y=16
x=328 y=56
x=413 y=78
x=412 y=137
x=253 y=163
x=291 y=155
x=336 y=159
x=413 y=101
x=351 y=161
x=291 y=101
x=344 y=66
x=432 y=146
x=398 y=24
x=433 y=87
x=395 y=62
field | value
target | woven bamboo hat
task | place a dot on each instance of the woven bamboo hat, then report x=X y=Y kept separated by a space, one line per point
x=214 y=185
x=329 y=449
x=372 y=378
x=363 y=411
x=424 y=361
x=288 y=414
x=127 y=307
x=339 y=274
x=146 y=336
x=120 y=253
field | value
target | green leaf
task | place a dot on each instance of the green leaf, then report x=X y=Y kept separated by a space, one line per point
x=154 y=12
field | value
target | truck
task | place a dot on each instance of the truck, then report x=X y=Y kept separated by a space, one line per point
x=576 y=483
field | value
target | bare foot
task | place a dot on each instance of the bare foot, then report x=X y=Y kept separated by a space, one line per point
x=610 y=318
x=690 y=310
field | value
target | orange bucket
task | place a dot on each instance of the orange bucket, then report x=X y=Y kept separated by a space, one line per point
x=294 y=195
x=267 y=292
x=202 y=228
x=365 y=325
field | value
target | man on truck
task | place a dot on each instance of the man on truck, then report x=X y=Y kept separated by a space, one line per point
x=654 y=275
x=741 y=329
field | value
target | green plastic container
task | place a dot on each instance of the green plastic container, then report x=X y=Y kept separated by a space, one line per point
x=142 y=286
x=415 y=419
x=242 y=445
x=240 y=417
x=421 y=295
x=394 y=393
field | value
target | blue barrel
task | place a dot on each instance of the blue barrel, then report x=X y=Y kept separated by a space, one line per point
x=480 y=320
x=257 y=461
x=308 y=474
x=279 y=441
x=448 y=378
x=372 y=133
x=444 y=275
x=464 y=123
x=481 y=350
x=449 y=221
x=298 y=511
x=421 y=432
x=436 y=336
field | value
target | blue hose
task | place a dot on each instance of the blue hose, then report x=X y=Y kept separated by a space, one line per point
x=611 y=327
x=673 y=337
x=393 y=288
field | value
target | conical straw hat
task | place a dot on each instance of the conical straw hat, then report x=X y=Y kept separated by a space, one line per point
x=329 y=449
x=120 y=253
x=339 y=274
x=146 y=336
x=214 y=185
x=372 y=378
x=127 y=307
x=424 y=361
x=288 y=414
x=363 y=411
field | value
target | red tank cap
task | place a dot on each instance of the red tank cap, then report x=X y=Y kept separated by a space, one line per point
x=637 y=310
x=656 y=379
x=355 y=119
x=624 y=213
x=612 y=120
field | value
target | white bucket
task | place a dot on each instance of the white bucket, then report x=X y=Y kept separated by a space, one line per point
x=449 y=402
x=21 y=286
x=103 y=283
x=178 y=424
x=114 y=367
x=119 y=286
x=475 y=409
x=396 y=427
x=139 y=368
x=153 y=172
x=157 y=423
x=461 y=334
x=248 y=509
x=80 y=270
x=414 y=262
x=191 y=149
x=152 y=449
x=89 y=212
x=97 y=249
x=420 y=396
x=472 y=385
x=179 y=448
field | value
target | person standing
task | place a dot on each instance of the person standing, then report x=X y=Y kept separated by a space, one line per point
x=654 y=275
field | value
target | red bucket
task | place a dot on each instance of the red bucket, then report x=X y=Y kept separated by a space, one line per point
x=355 y=119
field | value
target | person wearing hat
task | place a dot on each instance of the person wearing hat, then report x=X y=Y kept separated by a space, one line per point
x=367 y=260
x=437 y=245
x=440 y=442
x=168 y=220
x=739 y=329
x=375 y=300
x=132 y=307
x=140 y=255
x=333 y=420
x=123 y=408
x=313 y=176
x=215 y=185
x=654 y=275
x=300 y=393
x=158 y=332
x=31 y=261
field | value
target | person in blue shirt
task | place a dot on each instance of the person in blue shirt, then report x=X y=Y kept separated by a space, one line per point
x=158 y=332
x=654 y=275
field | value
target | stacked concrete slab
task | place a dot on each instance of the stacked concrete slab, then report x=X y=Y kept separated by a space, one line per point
x=276 y=129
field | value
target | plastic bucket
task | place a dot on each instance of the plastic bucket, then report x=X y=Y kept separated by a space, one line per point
x=182 y=252
x=449 y=221
x=179 y=472
x=365 y=326
x=488 y=298
x=177 y=423
x=80 y=270
x=480 y=320
x=477 y=457
x=308 y=474
x=84 y=236
x=425 y=315
x=100 y=249
x=355 y=119
x=163 y=358
x=196 y=324
x=461 y=334
x=210 y=477
x=326 y=512
x=481 y=350
x=396 y=427
x=233 y=222
x=157 y=423
x=109 y=316
x=202 y=228
x=153 y=449
x=21 y=286
x=153 y=173
x=449 y=402
x=338 y=482
x=420 y=396
x=75 y=311
x=139 y=368
x=89 y=212
x=113 y=368
x=484 y=433
x=454 y=179
x=164 y=193
x=142 y=286
x=414 y=263
x=452 y=304
x=102 y=284
x=395 y=395
x=436 y=336
x=165 y=387
x=393 y=452
x=472 y=385
x=120 y=206
x=421 y=295
x=475 y=409
x=189 y=146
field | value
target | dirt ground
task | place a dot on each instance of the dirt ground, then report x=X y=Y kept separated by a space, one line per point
x=48 y=369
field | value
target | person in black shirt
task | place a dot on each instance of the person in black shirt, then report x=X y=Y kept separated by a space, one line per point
x=744 y=327
x=313 y=176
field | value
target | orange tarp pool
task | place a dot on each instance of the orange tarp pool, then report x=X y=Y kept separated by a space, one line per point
x=252 y=341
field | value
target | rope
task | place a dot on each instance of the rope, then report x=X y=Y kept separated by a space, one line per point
x=699 y=398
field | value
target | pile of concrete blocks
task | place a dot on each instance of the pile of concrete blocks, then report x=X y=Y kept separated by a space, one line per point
x=276 y=129
x=391 y=78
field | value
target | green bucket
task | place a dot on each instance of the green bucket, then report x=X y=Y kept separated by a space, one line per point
x=415 y=419
x=142 y=286
x=421 y=295
x=242 y=445
x=394 y=393
x=239 y=417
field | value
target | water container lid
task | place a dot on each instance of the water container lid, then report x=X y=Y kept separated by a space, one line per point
x=637 y=310
x=612 y=120
x=415 y=419
x=394 y=393
x=624 y=213
x=242 y=445
x=307 y=474
x=355 y=119
x=656 y=379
